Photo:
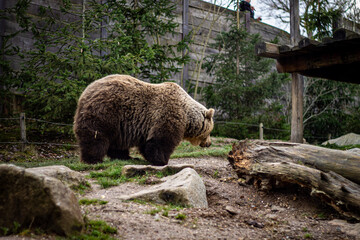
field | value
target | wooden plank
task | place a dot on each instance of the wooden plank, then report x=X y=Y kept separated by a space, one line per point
x=343 y=73
x=308 y=43
x=284 y=48
x=266 y=49
x=304 y=62
x=343 y=34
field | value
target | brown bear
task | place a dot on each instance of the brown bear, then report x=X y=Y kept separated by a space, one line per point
x=118 y=112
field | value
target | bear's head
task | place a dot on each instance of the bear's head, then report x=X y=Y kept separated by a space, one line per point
x=203 y=139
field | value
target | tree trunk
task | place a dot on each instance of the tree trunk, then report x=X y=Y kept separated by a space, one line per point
x=332 y=175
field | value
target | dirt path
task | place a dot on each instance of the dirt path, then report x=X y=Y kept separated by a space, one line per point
x=235 y=211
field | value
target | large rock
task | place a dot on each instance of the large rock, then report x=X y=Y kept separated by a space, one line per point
x=184 y=188
x=133 y=170
x=348 y=139
x=36 y=200
x=67 y=176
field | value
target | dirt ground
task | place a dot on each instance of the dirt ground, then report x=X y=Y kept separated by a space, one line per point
x=235 y=211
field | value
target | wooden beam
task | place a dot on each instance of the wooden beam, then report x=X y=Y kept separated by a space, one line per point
x=185 y=32
x=297 y=84
x=343 y=34
x=316 y=60
x=266 y=49
x=308 y=43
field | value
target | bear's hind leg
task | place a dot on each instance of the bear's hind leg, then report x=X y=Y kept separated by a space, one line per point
x=157 y=151
x=94 y=151
x=118 y=154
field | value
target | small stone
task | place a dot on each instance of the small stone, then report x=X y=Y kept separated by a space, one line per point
x=271 y=216
x=232 y=210
x=254 y=223
x=277 y=209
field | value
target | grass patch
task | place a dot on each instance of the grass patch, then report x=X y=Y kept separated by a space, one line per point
x=81 y=188
x=96 y=229
x=108 y=173
x=180 y=216
x=334 y=146
x=86 y=201
x=185 y=149
x=308 y=236
x=164 y=210
x=15 y=229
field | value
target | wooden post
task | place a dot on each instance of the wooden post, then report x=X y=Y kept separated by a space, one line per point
x=2 y=31
x=23 y=131
x=247 y=21
x=103 y=31
x=261 y=128
x=185 y=32
x=297 y=84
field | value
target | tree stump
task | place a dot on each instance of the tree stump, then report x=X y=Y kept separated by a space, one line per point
x=331 y=175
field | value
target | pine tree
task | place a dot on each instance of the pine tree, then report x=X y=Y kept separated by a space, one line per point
x=240 y=92
x=70 y=50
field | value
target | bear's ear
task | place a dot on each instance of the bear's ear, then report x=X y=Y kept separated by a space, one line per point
x=210 y=113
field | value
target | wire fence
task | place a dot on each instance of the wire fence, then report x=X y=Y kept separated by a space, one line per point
x=23 y=136
x=23 y=139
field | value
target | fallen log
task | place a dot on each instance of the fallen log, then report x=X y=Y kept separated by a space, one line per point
x=331 y=175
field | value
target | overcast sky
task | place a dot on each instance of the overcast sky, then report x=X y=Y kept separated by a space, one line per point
x=259 y=12
x=271 y=20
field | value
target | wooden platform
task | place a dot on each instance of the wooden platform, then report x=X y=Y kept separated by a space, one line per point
x=336 y=58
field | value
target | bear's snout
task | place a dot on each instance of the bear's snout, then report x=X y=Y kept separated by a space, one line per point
x=206 y=142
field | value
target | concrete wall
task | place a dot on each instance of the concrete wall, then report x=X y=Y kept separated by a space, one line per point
x=204 y=19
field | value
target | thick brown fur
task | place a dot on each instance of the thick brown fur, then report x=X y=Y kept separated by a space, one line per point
x=118 y=112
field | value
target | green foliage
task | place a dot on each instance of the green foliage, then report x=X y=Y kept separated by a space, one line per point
x=15 y=229
x=308 y=236
x=164 y=210
x=319 y=18
x=242 y=92
x=70 y=52
x=180 y=216
x=330 y=107
x=185 y=149
x=96 y=229
x=334 y=146
x=86 y=201
x=81 y=188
